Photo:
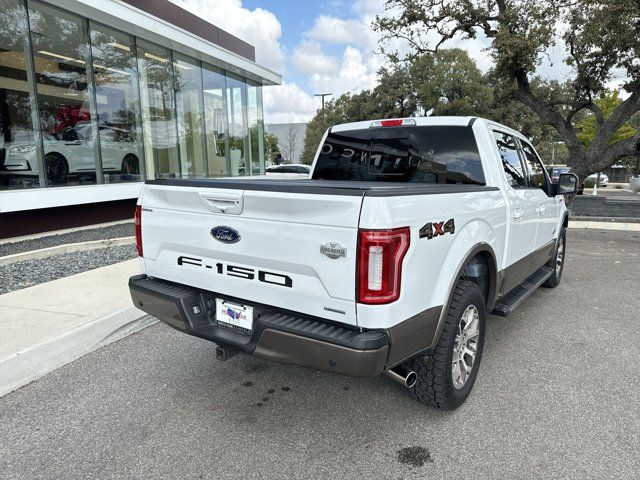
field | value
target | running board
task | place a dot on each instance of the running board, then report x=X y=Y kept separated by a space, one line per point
x=515 y=297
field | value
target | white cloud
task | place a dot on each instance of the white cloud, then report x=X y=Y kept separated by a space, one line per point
x=288 y=103
x=259 y=27
x=309 y=58
x=355 y=74
x=368 y=9
x=348 y=32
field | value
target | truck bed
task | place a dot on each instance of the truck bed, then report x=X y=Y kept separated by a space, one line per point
x=323 y=187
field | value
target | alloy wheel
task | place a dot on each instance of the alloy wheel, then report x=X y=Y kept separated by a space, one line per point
x=465 y=346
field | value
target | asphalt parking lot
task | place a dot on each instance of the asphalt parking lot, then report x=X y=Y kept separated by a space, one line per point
x=556 y=397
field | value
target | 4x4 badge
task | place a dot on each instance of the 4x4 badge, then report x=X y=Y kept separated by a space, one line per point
x=333 y=250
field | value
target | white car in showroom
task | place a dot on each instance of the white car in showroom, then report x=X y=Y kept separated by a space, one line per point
x=71 y=153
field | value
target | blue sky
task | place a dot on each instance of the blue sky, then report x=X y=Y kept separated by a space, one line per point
x=324 y=46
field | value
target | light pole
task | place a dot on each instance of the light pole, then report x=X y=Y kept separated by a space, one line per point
x=322 y=95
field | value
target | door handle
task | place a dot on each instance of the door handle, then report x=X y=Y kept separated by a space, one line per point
x=517 y=214
x=541 y=209
x=223 y=202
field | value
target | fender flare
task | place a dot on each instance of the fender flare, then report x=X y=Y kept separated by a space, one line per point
x=481 y=247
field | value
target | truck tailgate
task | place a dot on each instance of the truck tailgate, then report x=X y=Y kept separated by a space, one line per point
x=277 y=261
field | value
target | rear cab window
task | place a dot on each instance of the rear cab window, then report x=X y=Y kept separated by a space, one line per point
x=418 y=154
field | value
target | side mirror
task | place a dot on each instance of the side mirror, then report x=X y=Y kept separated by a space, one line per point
x=567 y=184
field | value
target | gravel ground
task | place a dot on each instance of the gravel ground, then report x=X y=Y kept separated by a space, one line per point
x=16 y=276
x=556 y=398
x=101 y=233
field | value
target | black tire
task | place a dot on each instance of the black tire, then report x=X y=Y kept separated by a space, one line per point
x=130 y=165
x=57 y=168
x=435 y=384
x=554 y=280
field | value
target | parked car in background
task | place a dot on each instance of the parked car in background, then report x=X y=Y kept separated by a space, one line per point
x=289 y=170
x=603 y=181
x=555 y=173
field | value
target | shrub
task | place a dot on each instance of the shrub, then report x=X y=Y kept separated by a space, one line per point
x=590 y=182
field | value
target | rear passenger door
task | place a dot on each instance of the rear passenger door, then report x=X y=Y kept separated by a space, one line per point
x=523 y=214
x=548 y=207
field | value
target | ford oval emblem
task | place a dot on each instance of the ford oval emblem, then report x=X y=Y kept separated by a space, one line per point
x=225 y=234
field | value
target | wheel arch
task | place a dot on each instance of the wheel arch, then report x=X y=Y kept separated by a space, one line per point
x=482 y=252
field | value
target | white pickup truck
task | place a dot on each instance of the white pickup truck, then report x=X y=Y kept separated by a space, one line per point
x=388 y=259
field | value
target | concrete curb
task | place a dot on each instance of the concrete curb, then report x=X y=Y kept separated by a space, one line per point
x=62 y=231
x=23 y=367
x=66 y=248
x=623 y=227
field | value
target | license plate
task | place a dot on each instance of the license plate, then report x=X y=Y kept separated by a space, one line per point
x=232 y=315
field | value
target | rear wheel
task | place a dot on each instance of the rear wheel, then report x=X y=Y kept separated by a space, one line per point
x=557 y=262
x=446 y=377
x=57 y=168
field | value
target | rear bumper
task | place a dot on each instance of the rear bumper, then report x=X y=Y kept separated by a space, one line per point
x=278 y=335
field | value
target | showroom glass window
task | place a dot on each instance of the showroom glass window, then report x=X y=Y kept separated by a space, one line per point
x=216 y=126
x=155 y=68
x=61 y=55
x=190 y=116
x=115 y=76
x=238 y=132
x=256 y=127
x=18 y=143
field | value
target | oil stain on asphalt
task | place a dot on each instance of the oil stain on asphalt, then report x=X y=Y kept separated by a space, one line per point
x=414 y=456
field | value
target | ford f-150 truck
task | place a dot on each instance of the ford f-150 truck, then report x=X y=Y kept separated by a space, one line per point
x=388 y=259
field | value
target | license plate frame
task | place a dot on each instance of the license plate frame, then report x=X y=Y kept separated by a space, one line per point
x=234 y=316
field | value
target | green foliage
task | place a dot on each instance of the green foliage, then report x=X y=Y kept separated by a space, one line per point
x=590 y=182
x=448 y=82
x=601 y=38
x=445 y=83
x=588 y=127
x=270 y=147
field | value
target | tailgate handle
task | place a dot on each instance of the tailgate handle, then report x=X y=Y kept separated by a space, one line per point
x=229 y=203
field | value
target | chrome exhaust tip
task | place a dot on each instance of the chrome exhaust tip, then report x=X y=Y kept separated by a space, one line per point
x=403 y=376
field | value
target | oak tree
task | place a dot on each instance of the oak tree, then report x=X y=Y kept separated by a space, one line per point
x=601 y=41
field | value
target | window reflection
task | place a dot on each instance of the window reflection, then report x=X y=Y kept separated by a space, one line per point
x=18 y=162
x=60 y=46
x=158 y=110
x=510 y=159
x=95 y=99
x=238 y=138
x=115 y=76
x=188 y=86
x=213 y=84
x=256 y=128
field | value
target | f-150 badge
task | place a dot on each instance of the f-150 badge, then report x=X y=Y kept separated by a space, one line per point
x=436 y=229
x=333 y=250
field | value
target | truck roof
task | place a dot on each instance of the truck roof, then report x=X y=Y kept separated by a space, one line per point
x=424 y=121
x=454 y=121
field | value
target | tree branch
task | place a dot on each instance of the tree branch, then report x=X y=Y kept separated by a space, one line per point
x=548 y=114
x=620 y=149
x=611 y=125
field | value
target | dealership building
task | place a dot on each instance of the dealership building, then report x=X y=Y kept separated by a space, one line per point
x=97 y=96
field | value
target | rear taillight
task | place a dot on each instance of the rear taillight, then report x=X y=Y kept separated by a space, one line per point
x=139 y=230
x=380 y=255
